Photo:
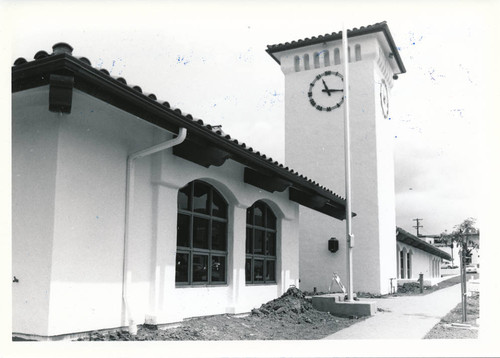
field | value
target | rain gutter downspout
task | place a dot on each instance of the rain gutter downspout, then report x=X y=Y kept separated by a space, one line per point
x=127 y=278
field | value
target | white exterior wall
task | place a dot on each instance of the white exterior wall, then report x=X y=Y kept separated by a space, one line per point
x=474 y=260
x=315 y=231
x=71 y=275
x=236 y=297
x=421 y=262
x=314 y=145
x=454 y=253
x=94 y=141
x=34 y=157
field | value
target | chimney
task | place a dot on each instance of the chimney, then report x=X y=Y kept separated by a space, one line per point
x=62 y=47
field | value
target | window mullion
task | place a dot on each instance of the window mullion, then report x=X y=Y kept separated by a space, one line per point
x=209 y=268
x=264 y=271
x=253 y=241
x=191 y=223
x=252 y=266
x=210 y=200
x=191 y=195
x=190 y=268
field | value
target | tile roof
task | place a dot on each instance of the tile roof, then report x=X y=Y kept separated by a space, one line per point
x=412 y=240
x=334 y=36
x=29 y=74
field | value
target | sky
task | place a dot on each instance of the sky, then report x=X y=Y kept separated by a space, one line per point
x=209 y=59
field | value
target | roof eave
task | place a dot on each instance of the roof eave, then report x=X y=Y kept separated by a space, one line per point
x=407 y=238
x=381 y=27
x=101 y=85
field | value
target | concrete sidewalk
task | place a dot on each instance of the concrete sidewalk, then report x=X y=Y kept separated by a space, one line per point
x=404 y=317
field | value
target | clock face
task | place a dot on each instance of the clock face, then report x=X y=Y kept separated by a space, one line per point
x=326 y=91
x=384 y=99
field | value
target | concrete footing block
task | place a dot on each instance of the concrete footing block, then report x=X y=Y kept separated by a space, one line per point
x=336 y=305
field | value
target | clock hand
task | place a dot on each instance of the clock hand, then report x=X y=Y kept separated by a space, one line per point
x=332 y=90
x=326 y=88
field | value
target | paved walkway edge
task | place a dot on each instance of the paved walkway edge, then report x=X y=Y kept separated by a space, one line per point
x=403 y=317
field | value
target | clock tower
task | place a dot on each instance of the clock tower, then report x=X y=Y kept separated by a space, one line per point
x=314 y=146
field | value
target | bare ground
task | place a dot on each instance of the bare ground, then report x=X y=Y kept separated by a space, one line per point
x=413 y=288
x=290 y=317
x=451 y=325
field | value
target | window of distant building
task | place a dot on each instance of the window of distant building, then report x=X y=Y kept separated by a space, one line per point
x=260 y=265
x=402 y=254
x=408 y=264
x=201 y=256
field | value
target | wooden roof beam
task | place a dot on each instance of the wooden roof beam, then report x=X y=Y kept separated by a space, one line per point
x=201 y=154
x=269 y=183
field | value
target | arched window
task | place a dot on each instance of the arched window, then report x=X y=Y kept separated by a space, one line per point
x=402 y=264
x=398 y=269
x=201 y=256
x=306 y=62
x=316 y=60
x=326 y=55
x=408 y=264
x=260 y=264
x=336 y=56
x=296 y=62
x=357 y=52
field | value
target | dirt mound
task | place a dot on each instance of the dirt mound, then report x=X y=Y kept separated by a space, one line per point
x=292 y=303
x=187 y=333
x=409 y=287
x=289 y=317
x=370 y=295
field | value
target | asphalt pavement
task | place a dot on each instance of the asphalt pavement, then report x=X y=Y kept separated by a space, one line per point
x=405 y=317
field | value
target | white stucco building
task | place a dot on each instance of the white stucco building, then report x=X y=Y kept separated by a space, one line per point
x=314 y=144
x=127 y=211
x=104 y=238
x=416 y=256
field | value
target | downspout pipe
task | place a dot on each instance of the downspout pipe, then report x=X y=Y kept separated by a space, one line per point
x=129 y=206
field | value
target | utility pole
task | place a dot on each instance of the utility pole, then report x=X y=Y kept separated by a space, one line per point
x=463 y=272
x=452 y=258
x=347 y=154
x=418 y=225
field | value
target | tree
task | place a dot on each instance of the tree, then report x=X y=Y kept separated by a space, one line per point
x=460 y=231
x=461 y=235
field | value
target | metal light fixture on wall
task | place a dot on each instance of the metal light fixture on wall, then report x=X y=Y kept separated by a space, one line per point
x=333 y=245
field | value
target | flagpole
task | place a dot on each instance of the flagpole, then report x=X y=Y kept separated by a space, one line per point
x=347 y=154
